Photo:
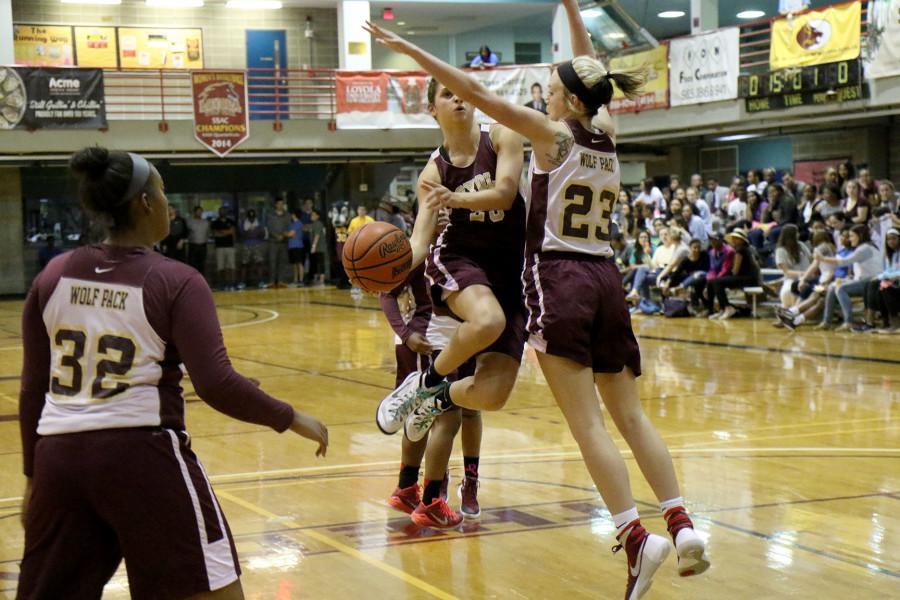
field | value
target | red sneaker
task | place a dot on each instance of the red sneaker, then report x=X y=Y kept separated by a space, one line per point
x=405 y=500
x=646 y=552
x=468 y=493
x=690 y=547
x=437 y=515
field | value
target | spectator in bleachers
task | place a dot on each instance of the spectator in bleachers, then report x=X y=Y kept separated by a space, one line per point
x=696 y=183
x=716 y=196
x=198 y=238
x=792 y=187
x=757 y=208
x=645 y=220
x=845 y=172
x=675 y=206
x=173 y=245
x=690 y=272
x=736 y=210
x=697 y=229
x=224 y=231
x=665 y=260
x=808 y=206
x=721 y=259
x=882 y=291
x=674 y=183
x=744 y=272
x=867 y=186
x=253 y=236
x=484 y=58
x=887 y=195
x=627 y=220
x=793 y=258
x=652 y=196
x=641 y=256
x=832 y=178
x=537 y=101
x=754 y=179
x=867 y=264
x=856 y=207
x=701 y=207
x=831 y=196
x=780 y=211
x=815 y=283
x=622 y=251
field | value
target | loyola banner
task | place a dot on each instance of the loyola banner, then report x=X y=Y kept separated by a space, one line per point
x=816 y=37
x=704 y=68
x=656 y=90
x=399 y=99
x=883 y=46
x=221 y=121
x=51 y=98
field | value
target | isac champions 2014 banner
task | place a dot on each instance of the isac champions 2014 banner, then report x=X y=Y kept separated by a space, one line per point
x=884 y=38
x=656 y=90
x=221 y=121
x=704 y=68
x=816 y=37
x=51 y=98
x=399 y=99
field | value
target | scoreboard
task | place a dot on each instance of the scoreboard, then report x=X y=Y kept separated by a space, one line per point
x=803 y=86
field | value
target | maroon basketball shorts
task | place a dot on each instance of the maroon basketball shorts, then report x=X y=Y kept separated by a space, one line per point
x=138 y=494
x=576 y=309
x=448 y=273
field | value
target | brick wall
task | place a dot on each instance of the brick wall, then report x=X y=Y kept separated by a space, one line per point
x=224 y=37
x=894 y=152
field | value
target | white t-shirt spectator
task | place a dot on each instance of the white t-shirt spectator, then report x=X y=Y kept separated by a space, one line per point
x=736 y=210
x=655 y=198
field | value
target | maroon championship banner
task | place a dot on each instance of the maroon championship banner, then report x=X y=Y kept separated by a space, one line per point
x=221 y=120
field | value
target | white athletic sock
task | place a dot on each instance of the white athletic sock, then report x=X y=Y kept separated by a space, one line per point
x=799 y=319
x=666 y=505
x=794 y=310
x=623 y=522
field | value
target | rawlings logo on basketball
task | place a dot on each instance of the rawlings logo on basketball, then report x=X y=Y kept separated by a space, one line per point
x=392 y=246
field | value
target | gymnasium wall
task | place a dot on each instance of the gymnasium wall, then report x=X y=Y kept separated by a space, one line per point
x=224 y=38
x=12 y=277
x=894 y=152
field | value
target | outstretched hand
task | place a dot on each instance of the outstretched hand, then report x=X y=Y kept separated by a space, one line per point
x=312 y=429
x=386 y=38
x=437 y=196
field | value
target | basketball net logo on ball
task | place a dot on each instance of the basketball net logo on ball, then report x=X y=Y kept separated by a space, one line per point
x=377 y=257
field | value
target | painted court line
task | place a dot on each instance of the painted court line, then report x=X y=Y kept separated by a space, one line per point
x=344 y=549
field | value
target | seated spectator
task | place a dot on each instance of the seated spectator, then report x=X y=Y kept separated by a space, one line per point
x=744 y=272
x=656 y=229
x=622 y=251
x=813 y=287
x=837 y=224
x=757 y=208
x=856 y=207
x=674 y=182
x=625 y=215
x=662 y=256
x=809 y=203
x=701 y=208
x=716 y=196
x=690 y=272
x=883 y=291
x=888 y=196
x=736 y=210
x=642 y=256
x=696 y=228
x=792 y=187
x=867 y=263
x=793 y=258
x=845 y=171
x=781 y=210
x=484 y=58
x=537 y=101
x=831 y=195
x=651 y=195
x=675 y=205
x=867 y=187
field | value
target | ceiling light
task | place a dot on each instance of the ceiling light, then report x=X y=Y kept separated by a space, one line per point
x=670 y=14
x=616 y=35
x=251 y=4
x=737 y=137
x=401 y=23
x=91 y=1
x=751 y=14
x=410 y=33
x=175 y=3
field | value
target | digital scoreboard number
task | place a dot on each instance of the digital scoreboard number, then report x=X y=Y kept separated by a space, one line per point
x=803 y=86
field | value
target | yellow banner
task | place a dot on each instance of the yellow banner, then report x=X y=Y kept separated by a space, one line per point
x=43 y=45
x=96 y=47
x=656 y=90
x=160 y=48
x=816 y=37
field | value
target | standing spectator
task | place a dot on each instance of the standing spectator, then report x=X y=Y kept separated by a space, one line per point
x=362 y=218
x=224 y=231
x=318 y=248
x=793 y=258
x=47 y=253
x=173 y=245
x=652 y=196
x=484 y=58
x=537 y=99
x=198 y=237
x=867 y=263
x=278 y=226
x=744 y=272
x=253 y=236
x=296 y=248
x=856 y=207
x=306 y=218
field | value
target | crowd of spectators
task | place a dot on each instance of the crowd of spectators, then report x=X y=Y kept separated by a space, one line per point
x=692 y=247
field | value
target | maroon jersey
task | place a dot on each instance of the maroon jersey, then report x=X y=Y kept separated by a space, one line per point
x=105 y=330
x=497 y=236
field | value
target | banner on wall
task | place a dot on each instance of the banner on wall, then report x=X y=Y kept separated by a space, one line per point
x=816 y=37
x=96 y=47
x=221 y=120
x=656 y=90
x=704 y=68
x=51 y=98
x=399 y=99
x=160 y=48
x=813 y=171
x=883 y=45
x=43 y=45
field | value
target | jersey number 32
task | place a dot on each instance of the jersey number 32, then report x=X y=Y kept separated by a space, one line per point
x=579 y=204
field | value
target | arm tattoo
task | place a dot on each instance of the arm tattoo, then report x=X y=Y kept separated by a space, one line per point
x=563 y=144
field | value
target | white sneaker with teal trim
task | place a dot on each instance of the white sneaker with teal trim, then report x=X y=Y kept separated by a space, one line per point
x=396 y=406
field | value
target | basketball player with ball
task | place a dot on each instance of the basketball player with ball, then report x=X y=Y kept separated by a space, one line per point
x=578 y=321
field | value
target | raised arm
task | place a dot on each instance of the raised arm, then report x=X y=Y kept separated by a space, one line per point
x=426 y=220
x=528 y=122
x=581 y=41
x=510 y=158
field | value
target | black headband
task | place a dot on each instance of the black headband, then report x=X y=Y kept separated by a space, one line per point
x=574 y=84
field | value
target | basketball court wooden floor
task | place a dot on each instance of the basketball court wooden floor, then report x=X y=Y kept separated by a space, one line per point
x=788 y=448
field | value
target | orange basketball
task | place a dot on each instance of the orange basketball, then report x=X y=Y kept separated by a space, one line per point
x=377 y=257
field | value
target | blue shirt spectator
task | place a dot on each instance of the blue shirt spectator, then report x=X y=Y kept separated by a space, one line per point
x=296 y=241
x=485 y=58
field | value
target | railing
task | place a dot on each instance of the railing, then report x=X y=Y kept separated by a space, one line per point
x=756 y=36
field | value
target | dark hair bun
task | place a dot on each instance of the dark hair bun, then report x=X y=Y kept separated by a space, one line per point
x=91 y=162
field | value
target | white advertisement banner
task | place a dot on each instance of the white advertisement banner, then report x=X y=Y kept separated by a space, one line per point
x=704 y=68
x=884 y=38
x=406 y=94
